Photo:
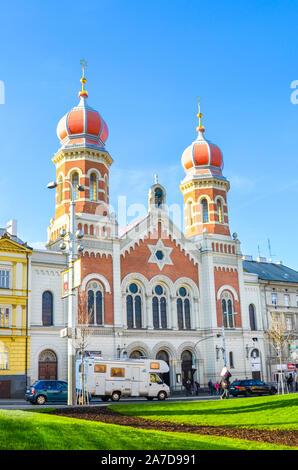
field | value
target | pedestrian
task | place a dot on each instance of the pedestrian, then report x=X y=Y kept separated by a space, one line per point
x=290 y=383
x=217 y=387
x=197 y=387
x=188 y=387
x=226 y=388
x=296 y=381
x=210 y=386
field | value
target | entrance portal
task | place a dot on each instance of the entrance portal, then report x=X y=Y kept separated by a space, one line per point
x=47 y=365
x=163 y=356
x=186 y=366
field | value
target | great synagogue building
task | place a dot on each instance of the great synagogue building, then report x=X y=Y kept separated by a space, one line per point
x=148 y=289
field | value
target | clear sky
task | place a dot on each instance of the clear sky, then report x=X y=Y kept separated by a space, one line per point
x=148 y=62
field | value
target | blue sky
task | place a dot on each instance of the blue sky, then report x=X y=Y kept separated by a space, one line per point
x=148 y=62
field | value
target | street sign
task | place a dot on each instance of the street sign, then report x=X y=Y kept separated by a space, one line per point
x=77 y=273
x=65 y=283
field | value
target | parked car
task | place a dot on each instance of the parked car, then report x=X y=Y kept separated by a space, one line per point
x=251 y=387
x=44 y=391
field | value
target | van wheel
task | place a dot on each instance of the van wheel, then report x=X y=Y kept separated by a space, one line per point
x=162 y=396
x=40 y=400
x=116 y=396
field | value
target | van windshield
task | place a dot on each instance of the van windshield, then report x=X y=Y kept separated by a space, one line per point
x=154 y=378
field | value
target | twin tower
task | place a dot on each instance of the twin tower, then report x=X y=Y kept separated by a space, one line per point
x=83 y=160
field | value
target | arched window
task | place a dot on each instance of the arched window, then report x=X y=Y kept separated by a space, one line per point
x=75 y=182
x=95 y=312
x=136 y=355
x=189 y=213
x=183 y=309
x=159 y=307
x=204 y=211
x=93 y=187
x=220 y=211
x=227 y=310
x=134 y=306
x=231 y=360
x=47 y=308
x=158 y=197
x=252 y=317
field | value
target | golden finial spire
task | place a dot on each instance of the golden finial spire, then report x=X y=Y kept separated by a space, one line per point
x=156 y=179
x=83 y=80
x=200 y=128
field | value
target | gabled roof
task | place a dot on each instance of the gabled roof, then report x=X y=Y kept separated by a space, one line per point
x=12 y=243
x=271 y=271
x=141 y=229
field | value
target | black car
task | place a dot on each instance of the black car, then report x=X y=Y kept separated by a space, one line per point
x=251 y=387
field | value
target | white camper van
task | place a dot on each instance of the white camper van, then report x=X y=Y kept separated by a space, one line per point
x=124 y=378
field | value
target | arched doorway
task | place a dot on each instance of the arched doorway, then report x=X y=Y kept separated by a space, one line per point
x=163 y=356
x=255 y=364
x=47 y=365
x=186 y=366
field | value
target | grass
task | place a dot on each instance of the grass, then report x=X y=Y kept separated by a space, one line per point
x=24 y=430
x=272 y=412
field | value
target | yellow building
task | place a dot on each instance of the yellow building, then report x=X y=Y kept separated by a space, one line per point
x=14 y=329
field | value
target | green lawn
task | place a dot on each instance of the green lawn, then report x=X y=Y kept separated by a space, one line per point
x=272 y=412
x=25 y=430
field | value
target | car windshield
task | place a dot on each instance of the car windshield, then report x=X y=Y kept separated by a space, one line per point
x=236 y=382
x=154 y=378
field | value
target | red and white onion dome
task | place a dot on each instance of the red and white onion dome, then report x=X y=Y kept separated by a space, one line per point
x=202 y=153
x=82 y=125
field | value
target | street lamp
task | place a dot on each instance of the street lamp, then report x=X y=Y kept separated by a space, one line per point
x=71 y=397
x=224 y=338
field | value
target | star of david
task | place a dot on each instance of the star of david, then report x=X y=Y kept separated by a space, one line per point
x=160 y=254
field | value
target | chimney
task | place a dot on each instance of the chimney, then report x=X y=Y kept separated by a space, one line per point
x=12 y=227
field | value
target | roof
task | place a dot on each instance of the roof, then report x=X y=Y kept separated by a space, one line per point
x=271 y=271
x=12 y=237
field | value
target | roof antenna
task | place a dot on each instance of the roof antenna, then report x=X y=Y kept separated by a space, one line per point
x=270 y=253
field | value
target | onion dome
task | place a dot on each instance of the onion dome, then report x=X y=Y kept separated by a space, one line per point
x=82 y=126
x=202 y=157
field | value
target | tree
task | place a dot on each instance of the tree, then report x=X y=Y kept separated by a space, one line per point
x=83 y=333
x=278 y=337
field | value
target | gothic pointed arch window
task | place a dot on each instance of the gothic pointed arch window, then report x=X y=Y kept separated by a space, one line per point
x=227 y=310
x=95 y=304
x=47 y=308
x=204 y=210
x=75 y=182
x=93 y=187
x=252 y=317
x=183 y=309
x=220 y=211
x=134 y=305
x=159 y=307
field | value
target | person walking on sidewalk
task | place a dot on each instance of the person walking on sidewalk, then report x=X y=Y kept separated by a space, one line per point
x=217 y=387
x=225 y=384
x=210 y=386
x=197 y=387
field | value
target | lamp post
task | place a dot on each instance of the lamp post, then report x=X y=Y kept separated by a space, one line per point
x=71 y=397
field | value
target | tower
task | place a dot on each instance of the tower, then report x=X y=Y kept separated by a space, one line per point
x=204 y=188
x=82 y=160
